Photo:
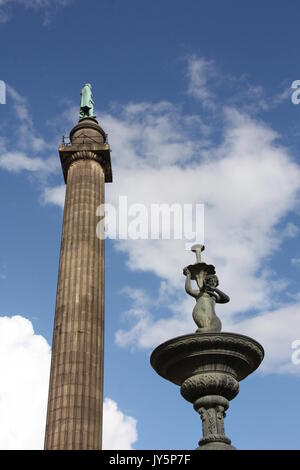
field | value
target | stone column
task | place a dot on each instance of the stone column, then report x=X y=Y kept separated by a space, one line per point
x=74 y=417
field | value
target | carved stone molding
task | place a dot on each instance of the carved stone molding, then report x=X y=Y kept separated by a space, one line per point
x=208 y=368
x=212 y=411
x=99 y=153
x=236 y=342
x=213 y=383
x=185 y=356
x=82 y=155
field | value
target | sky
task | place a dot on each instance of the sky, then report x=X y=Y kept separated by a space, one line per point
x=195 y=97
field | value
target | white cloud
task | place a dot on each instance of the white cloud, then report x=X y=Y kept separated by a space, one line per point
x=282 y=96
x=213 y=89
x=249 y=183
x=25 y=143
x=291 y=230
x=238 y=184
x=45 y=5
x=119 y=430
x=143 y=330
x=25 y=135
x=20 y=105
x=18 y=161
x=200 y=72
x=55 y=195
x=24 y=371
x=276 y=330
x=295 y=262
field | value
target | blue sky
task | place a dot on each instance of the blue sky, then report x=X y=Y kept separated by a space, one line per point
x=195 y=97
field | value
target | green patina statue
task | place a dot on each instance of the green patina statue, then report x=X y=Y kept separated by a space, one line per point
x=87 y=102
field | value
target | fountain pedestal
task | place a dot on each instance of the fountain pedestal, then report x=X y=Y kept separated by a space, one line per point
x=208 y=368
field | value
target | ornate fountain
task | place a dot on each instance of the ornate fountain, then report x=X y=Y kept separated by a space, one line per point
x=208 y=364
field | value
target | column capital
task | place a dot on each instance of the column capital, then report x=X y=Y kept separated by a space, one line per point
x=72 y=153
x=88 y=141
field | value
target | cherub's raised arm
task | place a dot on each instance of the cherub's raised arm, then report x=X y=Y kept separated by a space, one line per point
x=188 y=287
x=221 y=297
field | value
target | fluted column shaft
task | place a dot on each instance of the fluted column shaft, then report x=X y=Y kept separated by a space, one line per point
x=74 y=416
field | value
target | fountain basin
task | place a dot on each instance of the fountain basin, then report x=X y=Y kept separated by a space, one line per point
x=208 y=368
